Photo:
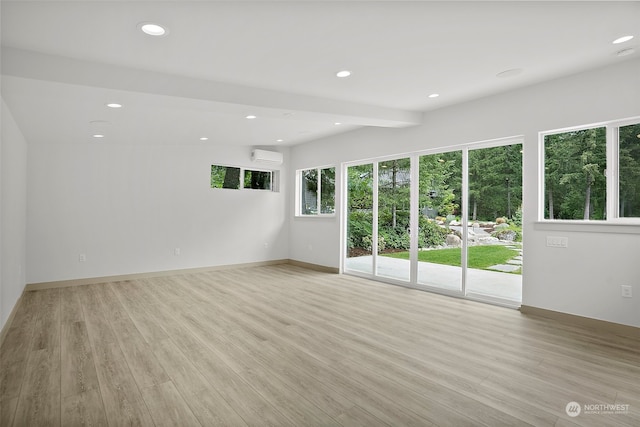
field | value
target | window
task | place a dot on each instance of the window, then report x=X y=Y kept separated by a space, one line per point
x=592 y=173
x=574 y=174
x=257 y=180
x=229 y=177
x=629 y=171
x=317 y=191
x=225 y=177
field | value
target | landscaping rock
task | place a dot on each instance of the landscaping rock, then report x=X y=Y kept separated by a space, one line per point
x=453 y=241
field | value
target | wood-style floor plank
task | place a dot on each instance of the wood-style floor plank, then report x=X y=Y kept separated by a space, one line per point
x=15 y=349
x=78 y=368
x=123 y=402
x=167 y=407
x=39 y=403
x=84 y=409
x=205 y=402
x=285 y=346
x=79 y=386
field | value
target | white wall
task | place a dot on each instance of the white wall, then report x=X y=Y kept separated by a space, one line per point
x=583 y=279
x=128 y=207
x=13 y=202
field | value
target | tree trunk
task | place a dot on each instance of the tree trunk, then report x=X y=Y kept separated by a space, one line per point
x=231 y=178
x=508 y=198
x=475 y=209
x=550 y=204
x=394 y=172
x=587 y=200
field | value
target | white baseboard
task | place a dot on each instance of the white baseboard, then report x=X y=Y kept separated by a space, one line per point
x=123 y=277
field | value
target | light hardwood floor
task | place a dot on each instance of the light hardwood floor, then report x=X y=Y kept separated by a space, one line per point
x=285 y=346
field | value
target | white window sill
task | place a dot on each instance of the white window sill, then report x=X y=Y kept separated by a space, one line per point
x=628 y=226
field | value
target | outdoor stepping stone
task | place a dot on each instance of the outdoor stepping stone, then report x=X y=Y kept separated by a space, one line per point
x=518 y=258
x=506 y=268
x=515 y=261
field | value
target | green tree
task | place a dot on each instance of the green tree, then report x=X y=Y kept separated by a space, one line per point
x=495 y=182
x=359 y=208
x=440 y=183
x=575 y=182
x=225 y=177
x=393 y=189
x=629 y=171
x=360 y=187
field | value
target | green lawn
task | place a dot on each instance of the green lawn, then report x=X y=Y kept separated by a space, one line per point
x=480 y=257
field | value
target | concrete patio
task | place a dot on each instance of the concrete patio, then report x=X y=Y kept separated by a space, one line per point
x=495 y=284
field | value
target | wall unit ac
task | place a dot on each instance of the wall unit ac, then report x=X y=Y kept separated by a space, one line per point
x=267 y=157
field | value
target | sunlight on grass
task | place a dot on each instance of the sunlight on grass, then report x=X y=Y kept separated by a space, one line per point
x=480 y=257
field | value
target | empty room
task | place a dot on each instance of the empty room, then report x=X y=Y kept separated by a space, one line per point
x=320 y=213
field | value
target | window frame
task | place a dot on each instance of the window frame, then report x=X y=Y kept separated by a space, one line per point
x=300 y=187
x=612 y=194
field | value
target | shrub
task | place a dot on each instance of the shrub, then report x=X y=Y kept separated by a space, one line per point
x=395 y=238
x=359 y=226
x=368 y=243
x=430 y=233
x=508 y=233
x=517 y=219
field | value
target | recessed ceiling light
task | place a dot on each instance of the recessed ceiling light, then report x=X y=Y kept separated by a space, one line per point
x=279 y=140
x=98 y=135
x=337 y=123
x=204 y=138
x=153 y=29
x=343 y=73
x=434 y=95
x=622 y=39
x=625 y=52
x=251 y=117
x=114 y=105
x=510 y=73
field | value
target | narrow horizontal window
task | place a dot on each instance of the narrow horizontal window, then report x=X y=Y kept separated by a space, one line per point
x=236 y=178
x=257 y=180
x=225 y=177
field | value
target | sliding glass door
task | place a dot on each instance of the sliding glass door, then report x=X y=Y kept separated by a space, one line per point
x=440 y=233
x=450 y=222
x=495 y=223
x=394 y=198
x=359 y=207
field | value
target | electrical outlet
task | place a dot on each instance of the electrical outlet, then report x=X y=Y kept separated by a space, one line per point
x=266 y=245
x=176 y=251
x=557 y=242
x=82 y=258
x=626 y=291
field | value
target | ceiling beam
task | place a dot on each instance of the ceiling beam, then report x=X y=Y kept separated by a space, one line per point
x=220 y=97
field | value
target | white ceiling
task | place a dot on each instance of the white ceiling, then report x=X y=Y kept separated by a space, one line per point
x=62 y=61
